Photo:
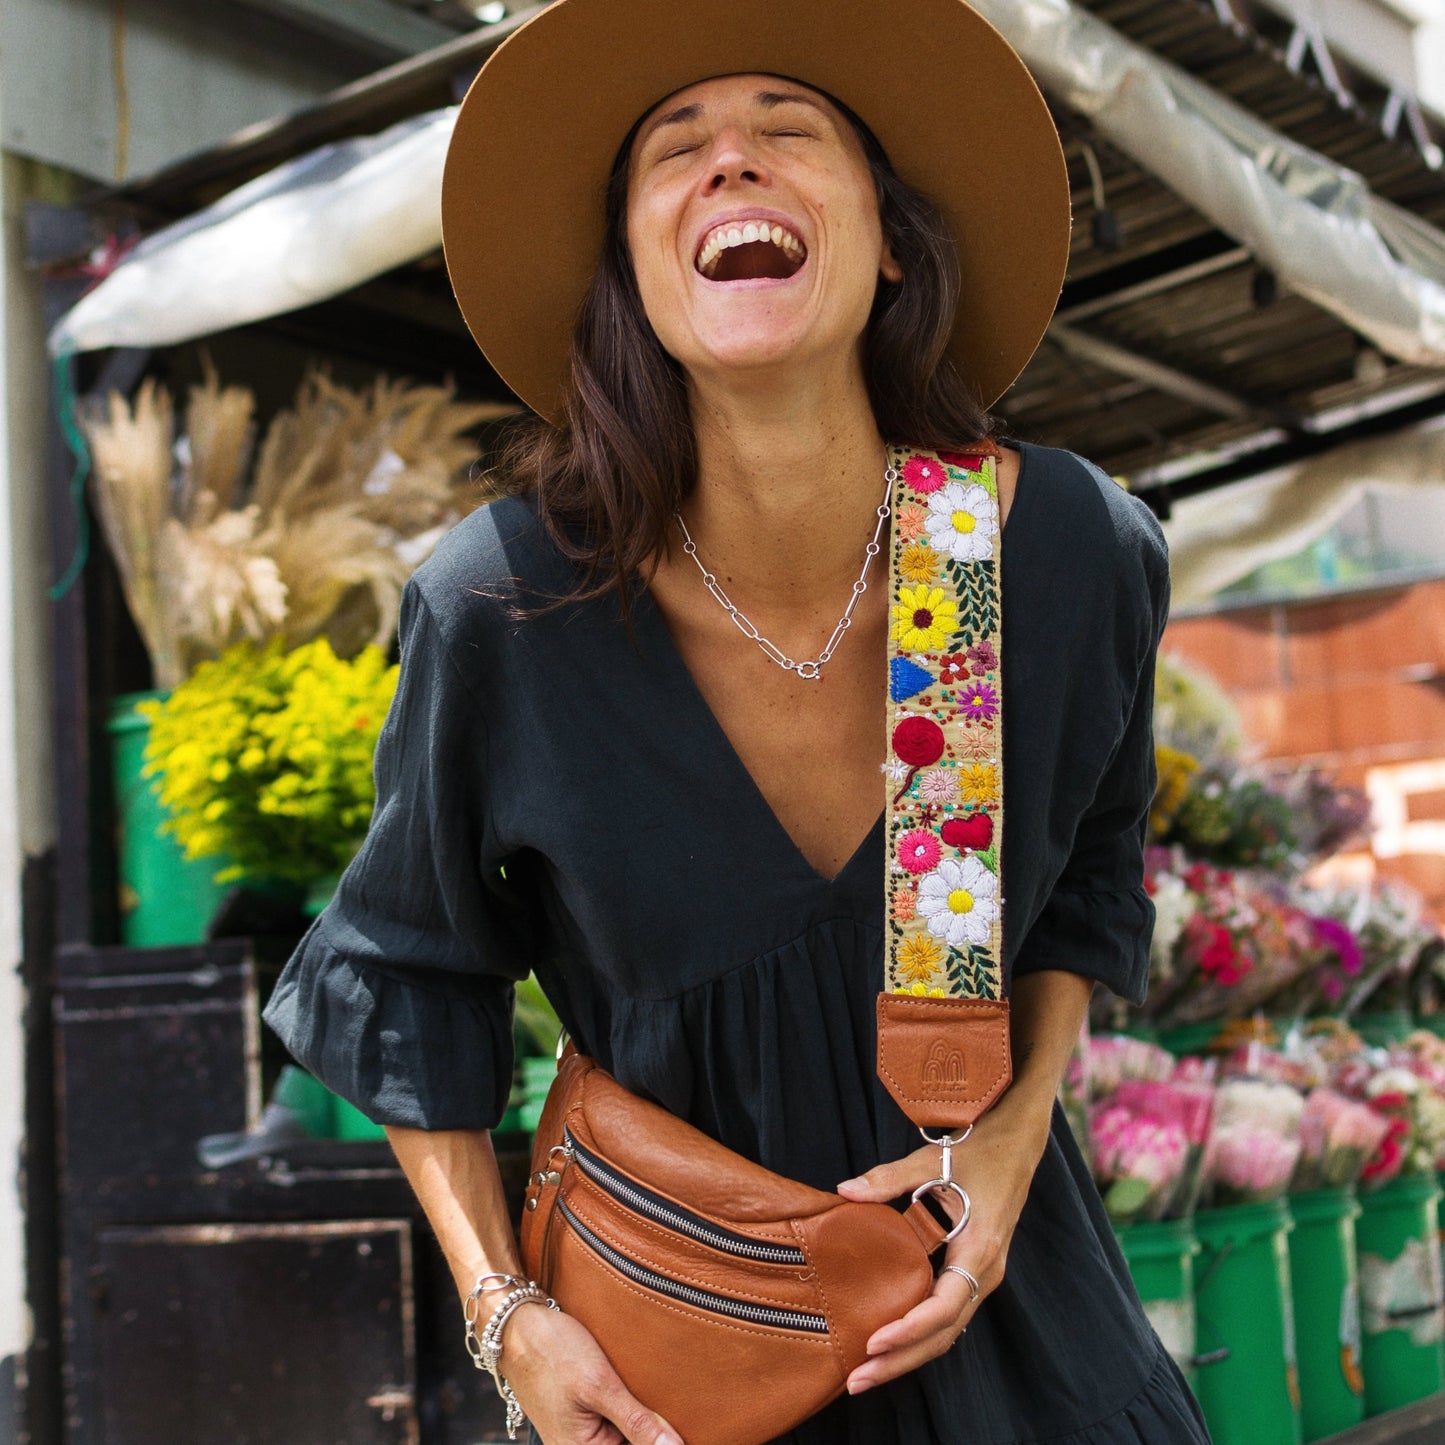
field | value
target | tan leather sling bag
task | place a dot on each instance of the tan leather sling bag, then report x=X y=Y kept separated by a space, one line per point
x=734 y=1301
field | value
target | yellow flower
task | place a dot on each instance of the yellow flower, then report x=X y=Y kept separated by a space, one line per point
x=922 y=990
x=923 y=618
x=1176 y=769
x=918 y=958
x=918 y=562
x=978 y=783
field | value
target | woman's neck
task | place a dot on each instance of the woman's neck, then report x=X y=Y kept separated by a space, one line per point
x=789 y=481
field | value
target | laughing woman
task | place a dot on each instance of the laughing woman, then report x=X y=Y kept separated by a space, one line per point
x=760 y=266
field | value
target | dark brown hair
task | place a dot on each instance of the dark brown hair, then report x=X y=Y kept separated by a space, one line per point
x=610 y=478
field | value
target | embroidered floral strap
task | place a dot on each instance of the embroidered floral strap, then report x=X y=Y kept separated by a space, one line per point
x=945 y=716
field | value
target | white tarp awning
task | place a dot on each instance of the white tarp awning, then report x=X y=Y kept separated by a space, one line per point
x=1221 y=536
x=328 y=221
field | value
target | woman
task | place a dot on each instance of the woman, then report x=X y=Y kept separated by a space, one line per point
x=592 y=770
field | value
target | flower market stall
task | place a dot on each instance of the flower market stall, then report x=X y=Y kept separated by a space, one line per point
x=1267 y=1131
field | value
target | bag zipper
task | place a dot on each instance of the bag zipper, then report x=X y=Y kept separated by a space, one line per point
x=660 y=1211
x=771 y=1315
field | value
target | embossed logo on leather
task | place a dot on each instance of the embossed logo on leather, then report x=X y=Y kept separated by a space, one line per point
x=943 y=1069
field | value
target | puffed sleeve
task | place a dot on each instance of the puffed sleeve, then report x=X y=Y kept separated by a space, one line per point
x=1098 y=919
x=399 y=998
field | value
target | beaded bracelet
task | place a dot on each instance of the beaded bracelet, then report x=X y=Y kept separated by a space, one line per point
x=486 y=1349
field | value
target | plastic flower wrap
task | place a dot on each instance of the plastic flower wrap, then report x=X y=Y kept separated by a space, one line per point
x=1255 y=1143
x=1230 y=818
x=1338 y=1137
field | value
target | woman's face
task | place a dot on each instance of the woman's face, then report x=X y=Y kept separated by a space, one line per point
x=752 y=222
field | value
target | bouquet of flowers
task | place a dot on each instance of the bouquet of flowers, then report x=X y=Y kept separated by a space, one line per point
x=1338 y=1137
x=1255 y=1142
x=1147 y=1130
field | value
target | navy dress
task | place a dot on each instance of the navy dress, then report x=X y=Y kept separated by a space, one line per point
x=556 y=796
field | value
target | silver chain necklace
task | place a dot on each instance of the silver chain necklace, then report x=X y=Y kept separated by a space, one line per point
x=812 y=670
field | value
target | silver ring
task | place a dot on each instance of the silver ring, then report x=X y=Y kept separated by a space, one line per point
x=972 y=1282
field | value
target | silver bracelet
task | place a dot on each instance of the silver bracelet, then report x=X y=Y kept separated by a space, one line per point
x=486 y=1349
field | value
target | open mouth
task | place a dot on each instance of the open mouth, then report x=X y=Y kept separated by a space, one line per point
x=751 y=251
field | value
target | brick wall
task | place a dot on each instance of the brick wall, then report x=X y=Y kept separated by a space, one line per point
x=1355 y=685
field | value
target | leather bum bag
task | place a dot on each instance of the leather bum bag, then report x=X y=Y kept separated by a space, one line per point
x=732 y=1300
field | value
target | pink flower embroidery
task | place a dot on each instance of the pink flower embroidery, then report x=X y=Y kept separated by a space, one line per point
x=978 y=702
x=924 y=474
x=912 y=521
x=983 y=657
x=919 y=851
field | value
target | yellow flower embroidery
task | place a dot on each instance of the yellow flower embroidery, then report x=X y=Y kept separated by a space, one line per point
x=922 y=990
x=918 y=562
x=918 y=959
x=978 y=783
x=923 y=618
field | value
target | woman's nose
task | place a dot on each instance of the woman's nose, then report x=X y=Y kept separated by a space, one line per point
x=733 y=161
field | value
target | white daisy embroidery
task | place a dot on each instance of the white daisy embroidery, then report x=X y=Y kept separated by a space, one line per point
x=961 y=521
x=959 y=901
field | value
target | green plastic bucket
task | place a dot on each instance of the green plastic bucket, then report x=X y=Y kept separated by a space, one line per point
x=1326 y=1290
x=348 y=1122
x=1189 y=1038
x=165 y=898
x=1161 y=1260
x=1247 y=1378
x=1401 y=1291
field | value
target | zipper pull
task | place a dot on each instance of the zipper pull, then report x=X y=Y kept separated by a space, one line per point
x=551 y=1176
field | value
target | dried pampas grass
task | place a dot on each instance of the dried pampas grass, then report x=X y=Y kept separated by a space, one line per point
x=349 y=493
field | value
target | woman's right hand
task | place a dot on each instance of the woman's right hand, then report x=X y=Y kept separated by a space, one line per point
x=568 y=1388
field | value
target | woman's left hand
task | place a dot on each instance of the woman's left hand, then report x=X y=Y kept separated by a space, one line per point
x=995 y=1167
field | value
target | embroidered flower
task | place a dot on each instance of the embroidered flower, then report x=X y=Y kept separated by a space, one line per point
x=924 y=474
x=977 y=745
x=923 y=618
x=938 y=786
x=978 y=783
x=983 y=657
x=978 y=702
x=912 y=519
x=961 y=522
x=918 y=562
x=918 y=958
x=896 y=769
x=922 y=990
x=918 y=850
x=905 y=906
x=953 y=668
x=959 y=902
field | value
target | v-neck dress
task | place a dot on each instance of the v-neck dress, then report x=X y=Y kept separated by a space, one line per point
x=555 y=795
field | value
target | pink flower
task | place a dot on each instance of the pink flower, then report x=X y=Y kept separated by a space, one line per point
x=924 y=474
x=919 y=851
x=912 y=521
x=983 y=657
x=938 y=785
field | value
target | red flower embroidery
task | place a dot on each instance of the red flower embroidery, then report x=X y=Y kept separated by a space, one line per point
x=918 y=851
x=953 y=668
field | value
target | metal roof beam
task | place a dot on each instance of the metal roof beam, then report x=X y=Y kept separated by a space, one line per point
x=1161 y=377
x=374 y=25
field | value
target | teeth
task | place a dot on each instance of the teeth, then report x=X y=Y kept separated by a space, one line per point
x=731 y=235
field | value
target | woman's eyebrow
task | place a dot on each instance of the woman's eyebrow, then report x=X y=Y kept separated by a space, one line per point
x=680 y=116
x=772 y=98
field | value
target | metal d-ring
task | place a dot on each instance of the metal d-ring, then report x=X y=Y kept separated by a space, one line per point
x=958 y=1189
x=947 y=1143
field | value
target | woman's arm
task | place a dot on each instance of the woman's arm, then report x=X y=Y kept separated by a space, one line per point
x=995 y=1166
x=556 y=1369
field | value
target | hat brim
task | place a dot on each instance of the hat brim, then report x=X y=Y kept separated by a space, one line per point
x=951 y=102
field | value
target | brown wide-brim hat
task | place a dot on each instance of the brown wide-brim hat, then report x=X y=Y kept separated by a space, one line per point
x=958 y=113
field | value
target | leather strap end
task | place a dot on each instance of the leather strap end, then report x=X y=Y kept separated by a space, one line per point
x=944 y=1060
x=930 y=1232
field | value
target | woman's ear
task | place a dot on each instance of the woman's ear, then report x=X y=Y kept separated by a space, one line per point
x=889 y=268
